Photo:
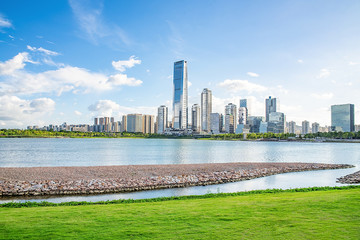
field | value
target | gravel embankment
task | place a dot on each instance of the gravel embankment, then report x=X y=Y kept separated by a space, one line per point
x=350 y=179
x=111 y=179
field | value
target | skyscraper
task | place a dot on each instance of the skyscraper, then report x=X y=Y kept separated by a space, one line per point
x=162 y=119
x=134 y=123
x=276 y=122
x=215 y=123
x=245 y=103
x=242 y=115
x=148 y=124
x=230 y=118
x=180 y=101
x=292 y=127
x=315 y=127
x=195 y=118
x=271 y=105
x=342 y=118
x=305 y=127
x=206 y=109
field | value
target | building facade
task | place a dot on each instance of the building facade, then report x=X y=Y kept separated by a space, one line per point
x=180 y=100
x=195 y=118
x=305 y=127
x=162 y=119
x=215 y=123
x=276 y=122
x=134 y=123
x=292 y=127
x=230 y=118
x=271 y=105
x=206 y=109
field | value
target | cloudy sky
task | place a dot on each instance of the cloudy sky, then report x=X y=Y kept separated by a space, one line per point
x=70 y=61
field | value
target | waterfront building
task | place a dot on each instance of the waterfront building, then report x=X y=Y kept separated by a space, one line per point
x=222 y=127
x=206 y=109
x=162 y=119
x=117 y=126
x=315 y=127
x=180 y=100
x=305 y=127
x=123 y=124
x=243 y=115
x=230 y=118
x=245 y=103
x=254 y=123
x=263 y=127
x=215 y=123
x=196 y=118
x=276 y=122
x=134 y=123
x=148 y=124
x=292 y=127
x=357 y=128
x=342 y=118
x=271 y=105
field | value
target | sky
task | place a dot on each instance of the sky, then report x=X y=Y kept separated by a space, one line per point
x=71 y=61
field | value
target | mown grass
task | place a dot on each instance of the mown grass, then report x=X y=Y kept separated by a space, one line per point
x=330 y=214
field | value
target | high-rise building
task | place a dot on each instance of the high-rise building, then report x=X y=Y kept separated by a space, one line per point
x=123 y=124
x=134 y=123
x=148 y=124
x=222 y=123
x=162 y=119
x=292 y=127
x=305 y=127
x=230 y=118
x=195 y=118
x=271 y=105
x=245 y=103
x=180 y=101
x=254 y=123
x=315 y=127
x=276 y=122
x=206 y=109
x=215 y=123
x=243 y=115
x=342 y=118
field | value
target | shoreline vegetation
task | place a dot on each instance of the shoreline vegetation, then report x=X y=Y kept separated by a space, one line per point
x=353 y=137
x=38 y=181
x=306 y=213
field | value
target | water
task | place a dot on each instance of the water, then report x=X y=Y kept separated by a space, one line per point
x=94 y=152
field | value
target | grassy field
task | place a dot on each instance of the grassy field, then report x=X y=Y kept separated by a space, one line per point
x=331 y=214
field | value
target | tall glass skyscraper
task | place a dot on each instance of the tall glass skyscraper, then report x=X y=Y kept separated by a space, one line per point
x=180 y=101
x=271 y=105
x=342 y=118
x=206 y=109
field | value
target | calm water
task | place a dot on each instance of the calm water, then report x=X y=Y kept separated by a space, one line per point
x=95 y=152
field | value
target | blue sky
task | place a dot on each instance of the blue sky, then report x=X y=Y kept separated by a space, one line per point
x=70 y=61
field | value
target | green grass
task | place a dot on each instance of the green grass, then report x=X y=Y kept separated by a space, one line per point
x=325 y=214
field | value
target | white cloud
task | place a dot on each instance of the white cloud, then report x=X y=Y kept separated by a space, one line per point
x=324 y=73
x=300 y=61
x=122 y=65
x=113 y=109
x=323 y=96
x=42 y=50
x=251 y=74
x=5 y=23
x=241 y=85
x=93 y=25
x=16 y=80
x=77 y=113
x=17 y=111
x=353 y=63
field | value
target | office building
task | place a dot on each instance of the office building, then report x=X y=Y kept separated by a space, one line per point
x=305 y=127
x=292 y=127
x=243 y=115
x=230 y=118
x=162 y=119
x=245 y=103
x=206 y=109
x=342 y=118
x=180 y=100
x=271 y=105
x=276 y=123
x=215 y=123
x=254 y=123
x=196 y=118
x=315 y=127
x=134 y=123
x=123 y=124
x=148 y=122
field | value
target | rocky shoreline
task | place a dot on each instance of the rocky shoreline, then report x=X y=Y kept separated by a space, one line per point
x=353 y=178
x=36 y=181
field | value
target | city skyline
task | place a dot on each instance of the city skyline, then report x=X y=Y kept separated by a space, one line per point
x=61 y=67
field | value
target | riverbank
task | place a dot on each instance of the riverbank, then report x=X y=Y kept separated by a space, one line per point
x=353 y=178
x=35 y=181
x=315 y=213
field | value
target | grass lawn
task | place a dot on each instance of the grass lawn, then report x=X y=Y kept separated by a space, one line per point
x=332 y=214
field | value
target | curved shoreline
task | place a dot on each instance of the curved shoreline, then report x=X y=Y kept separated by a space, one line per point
x=36 y=181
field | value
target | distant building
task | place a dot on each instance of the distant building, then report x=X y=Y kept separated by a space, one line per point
x=276 y=122
x=292 y=127
x=271 y=105
x=123 y=124
x=263 y=127
x=180 y=101
x=230 y=118
x=195 y=118
x=215 y=123
x=254 y=123
x=315 y=127
x=134 y=123
x=245 y=103
x=206 y=109
x=342 y=118
x=148 y=122
x=243 y=116
x=357 y=128
x=305 y=127
x=162 y=119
